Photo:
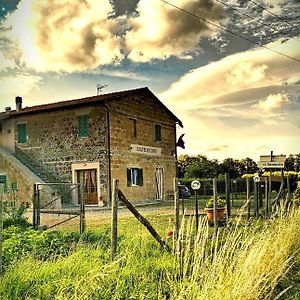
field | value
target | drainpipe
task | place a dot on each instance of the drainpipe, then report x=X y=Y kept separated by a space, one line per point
x=109 y=155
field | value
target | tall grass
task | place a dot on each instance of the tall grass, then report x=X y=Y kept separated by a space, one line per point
x=238 y=263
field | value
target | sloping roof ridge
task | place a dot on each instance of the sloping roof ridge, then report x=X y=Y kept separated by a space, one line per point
x=80 y=100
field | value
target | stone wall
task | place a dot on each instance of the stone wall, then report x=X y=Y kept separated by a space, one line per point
x=147 y=113
x=53 y=144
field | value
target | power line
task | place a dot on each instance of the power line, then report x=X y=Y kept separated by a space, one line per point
x=255 y=19
x=273 y=14
x=229 y=31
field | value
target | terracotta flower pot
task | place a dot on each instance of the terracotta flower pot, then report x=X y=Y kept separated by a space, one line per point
x=220 y=213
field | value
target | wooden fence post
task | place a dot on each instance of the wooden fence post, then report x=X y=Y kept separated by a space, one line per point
x=176 y=203
x=215 y=192
x=114 y=225
x=248 y=201
x=227 y=187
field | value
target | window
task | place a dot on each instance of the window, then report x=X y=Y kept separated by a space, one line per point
x=134 y=177
x=1 y=127
x=83 y=126
x=22 y=133
x=133 y=127
x=157 y=133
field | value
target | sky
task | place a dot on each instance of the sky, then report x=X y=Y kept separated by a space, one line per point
x=228 y=69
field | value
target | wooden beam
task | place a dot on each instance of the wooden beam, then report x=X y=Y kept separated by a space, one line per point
x=144 y=221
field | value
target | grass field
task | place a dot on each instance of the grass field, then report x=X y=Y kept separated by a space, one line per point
x=257 y=262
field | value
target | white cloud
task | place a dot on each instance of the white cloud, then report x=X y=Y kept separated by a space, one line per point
x=273 y=101
x=19 y=84
x=6 y=63
x=246 y=99
x=65 y=35
x=227 y=81
x=160 y=30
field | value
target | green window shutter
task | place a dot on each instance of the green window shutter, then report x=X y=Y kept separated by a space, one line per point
x=3 y=181
x=140 y=176
x=22 y=133
x=157 y=133
x=128 y=177
x=83 y=126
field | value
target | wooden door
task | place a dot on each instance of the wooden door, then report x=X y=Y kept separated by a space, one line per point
x=159 y=179
x=88 y=178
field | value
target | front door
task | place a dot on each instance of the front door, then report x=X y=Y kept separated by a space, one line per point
x=88 y=178
x=159 y=179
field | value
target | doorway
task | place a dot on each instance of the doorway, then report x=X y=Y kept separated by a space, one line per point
x=159 y=179
x=88 y=179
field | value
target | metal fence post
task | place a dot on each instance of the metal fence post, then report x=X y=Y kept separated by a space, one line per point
x=82 y=210
x=34 y=207
x=248 y=201
x=227 y=193
x=215 y=192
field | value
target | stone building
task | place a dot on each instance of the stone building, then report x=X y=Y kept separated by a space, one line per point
x=128 y=135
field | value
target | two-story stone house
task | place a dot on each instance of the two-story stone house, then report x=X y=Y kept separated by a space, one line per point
x=128 y=135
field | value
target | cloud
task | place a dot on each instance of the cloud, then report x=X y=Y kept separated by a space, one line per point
x=217 y=148
x=65 y=35
x=249 y=99
x=273 y=101
x=18 y=84
x=160 y=30
x=253 y=74
x=6 y=63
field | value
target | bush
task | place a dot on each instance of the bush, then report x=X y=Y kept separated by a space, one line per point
x=14 y=215
x=42 y=245
x=210 y=202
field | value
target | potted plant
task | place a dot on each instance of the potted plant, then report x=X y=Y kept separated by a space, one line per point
x=221 y=204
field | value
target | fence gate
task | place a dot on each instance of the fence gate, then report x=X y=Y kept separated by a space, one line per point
x=65 y=200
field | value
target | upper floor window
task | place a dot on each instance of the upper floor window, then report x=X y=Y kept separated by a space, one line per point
x=133 y=127
x=22 y=133
x=134 y=177
x=83 y=126
x=157 y=133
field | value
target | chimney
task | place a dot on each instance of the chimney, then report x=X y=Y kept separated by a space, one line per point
x=18 y=103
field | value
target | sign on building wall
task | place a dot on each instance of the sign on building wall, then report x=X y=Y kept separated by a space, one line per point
x=140 y=149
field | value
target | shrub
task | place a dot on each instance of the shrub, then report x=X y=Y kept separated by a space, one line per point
x=210 y=202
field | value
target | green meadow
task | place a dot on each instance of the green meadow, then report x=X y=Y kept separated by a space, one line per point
x=260 y=261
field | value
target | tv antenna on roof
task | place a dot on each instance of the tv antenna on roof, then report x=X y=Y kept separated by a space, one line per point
x=100 y=87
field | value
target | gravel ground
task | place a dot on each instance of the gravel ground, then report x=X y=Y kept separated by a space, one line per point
x=99 y=216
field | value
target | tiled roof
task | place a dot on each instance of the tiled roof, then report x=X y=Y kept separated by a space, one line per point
x=84 y=102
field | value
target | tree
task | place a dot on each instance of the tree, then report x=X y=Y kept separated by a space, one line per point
x=197 y=167
x=250 y=165
x=233 y=167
